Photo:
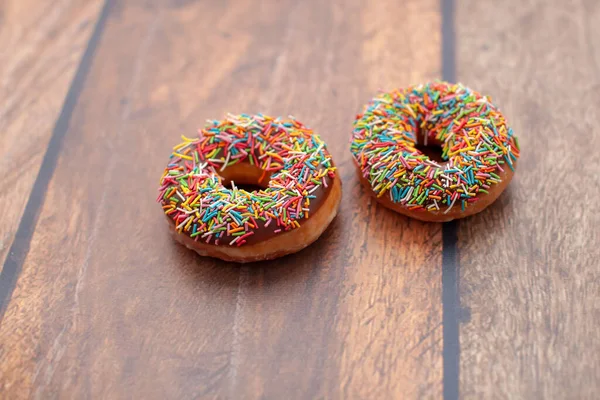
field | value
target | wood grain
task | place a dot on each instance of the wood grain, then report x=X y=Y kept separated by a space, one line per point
x=41 y=44
x=107 y=306
x=365 y=319
x=529 y=265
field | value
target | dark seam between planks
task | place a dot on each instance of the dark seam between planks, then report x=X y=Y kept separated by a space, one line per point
x=450 y=267
x=22 y=240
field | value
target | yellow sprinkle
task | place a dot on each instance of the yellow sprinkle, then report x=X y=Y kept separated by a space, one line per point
x=213 y=153
x=179 y=146
x=277 y=156
x=183 y=156
x=163 y=175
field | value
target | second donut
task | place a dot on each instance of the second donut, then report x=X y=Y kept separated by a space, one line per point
x=479 y=151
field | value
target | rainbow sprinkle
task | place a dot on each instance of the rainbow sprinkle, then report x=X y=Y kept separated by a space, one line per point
x=193 y=196
x=476 y=145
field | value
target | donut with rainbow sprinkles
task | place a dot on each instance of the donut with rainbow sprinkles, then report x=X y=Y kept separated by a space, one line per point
x=479 y=151
x=299 y=188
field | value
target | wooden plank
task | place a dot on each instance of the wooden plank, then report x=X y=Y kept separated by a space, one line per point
x=359 y=315
x=42 y=42
x=108 y=306
x=107 y=275
x=529 y=265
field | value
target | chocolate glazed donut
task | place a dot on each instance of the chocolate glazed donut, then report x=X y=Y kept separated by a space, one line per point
x=299 y=195
x=479 y=151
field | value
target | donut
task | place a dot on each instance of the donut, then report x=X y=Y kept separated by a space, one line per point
x=298 y=195
x=479 y=151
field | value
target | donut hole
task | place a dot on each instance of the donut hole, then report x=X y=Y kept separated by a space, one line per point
x=245 y=176
x=433 y=151
x=248 y=187
x=433 y=148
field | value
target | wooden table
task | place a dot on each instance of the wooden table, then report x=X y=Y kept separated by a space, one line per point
x=98 y=302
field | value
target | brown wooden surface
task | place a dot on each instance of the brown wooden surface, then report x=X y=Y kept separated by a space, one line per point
x=532 y=283
x=106 y=305
x=41 y=44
